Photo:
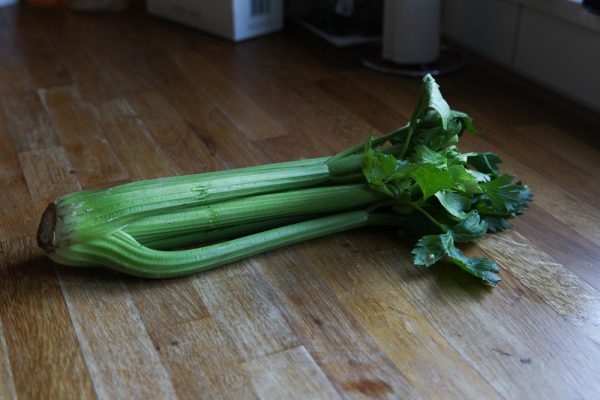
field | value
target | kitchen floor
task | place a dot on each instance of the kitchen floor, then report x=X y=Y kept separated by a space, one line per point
x=91 y=101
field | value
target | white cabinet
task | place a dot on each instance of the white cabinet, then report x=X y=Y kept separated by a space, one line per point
x=555 y=43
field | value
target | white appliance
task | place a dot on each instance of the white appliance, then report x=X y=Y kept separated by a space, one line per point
x=232 y=19
x=411 y=31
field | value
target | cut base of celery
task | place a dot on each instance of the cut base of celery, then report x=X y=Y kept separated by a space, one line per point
x=46 y=234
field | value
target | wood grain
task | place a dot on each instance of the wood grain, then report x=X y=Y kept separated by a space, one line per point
x=45 y=357
x=203 y=361
x=229 y=98
x=290 y=374
x=514 y=357
x=77 y=126
x=7 y=390
x=564 y=291
x=119 y=353
x=90 y=101
x=240 y=305
x=550 y=138
x=572 y=250
x=333 y=336
x=426 y=359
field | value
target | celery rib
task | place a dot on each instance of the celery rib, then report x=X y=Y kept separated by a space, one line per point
x=88 y=216
x=252 y=209
x=120 y=251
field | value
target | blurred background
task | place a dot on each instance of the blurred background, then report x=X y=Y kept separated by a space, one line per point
x=554 y=43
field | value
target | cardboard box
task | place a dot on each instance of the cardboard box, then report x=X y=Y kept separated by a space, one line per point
x=232 y=19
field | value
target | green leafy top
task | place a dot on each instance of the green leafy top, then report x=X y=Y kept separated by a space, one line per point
x=444 y=196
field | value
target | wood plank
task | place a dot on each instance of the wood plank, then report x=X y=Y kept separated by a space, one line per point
x=348 y=356
x=74 y=48
x=7 y=389
x=120 y=356
x=557 y=240
x=303 y=140
x=18 y=221
x=533 y=104
x=139 y=154
x=251 y=337
x=35 y=317
x=21 y=112
x=249 y=118
x=579 y=183
x=120 y=63
x=560 y=288
x=45 y=67
x=345 y=128
x=194 y=132
x=305 y=129
x=15 y=201
x=559 y=143
x=299 y=106
x=91 y=81
x=421 y=354
x=77 y=126
x=290 y=374
x=202 y=125
x=177 y=139
x=48 y=174
x=362 y=103
x=279 y=54
x=590 y=322
x=27 y=121
x=518 y=360
x=163 y=303
x=202 y=361
x=240 y=303
x=382 y=88
x=551 y=197
x=225 y=141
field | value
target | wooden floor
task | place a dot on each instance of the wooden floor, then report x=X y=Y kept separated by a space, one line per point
x=93 y=101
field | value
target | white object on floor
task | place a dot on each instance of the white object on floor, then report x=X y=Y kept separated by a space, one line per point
x=231 y=19
x=411 y=31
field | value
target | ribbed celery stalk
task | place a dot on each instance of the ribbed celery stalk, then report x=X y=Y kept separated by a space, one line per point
x=253 y=209
x=228 y=232
x=414 y=178
x=120 y=251
x=88 y=214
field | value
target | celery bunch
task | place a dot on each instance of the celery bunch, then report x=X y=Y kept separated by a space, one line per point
x=414 y=179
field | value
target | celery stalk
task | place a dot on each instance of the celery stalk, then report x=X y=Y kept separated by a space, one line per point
x=413 y=178
x=122 y=252
x=253 y=209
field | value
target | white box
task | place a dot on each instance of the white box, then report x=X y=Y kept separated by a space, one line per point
x=232 y=19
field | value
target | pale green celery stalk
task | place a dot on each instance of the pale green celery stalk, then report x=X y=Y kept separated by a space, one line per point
x=229 y=232
x=120 y=251
x=252 y=209
x=88 y=214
